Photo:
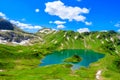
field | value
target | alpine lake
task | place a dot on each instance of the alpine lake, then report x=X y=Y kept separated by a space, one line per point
x=58 y=57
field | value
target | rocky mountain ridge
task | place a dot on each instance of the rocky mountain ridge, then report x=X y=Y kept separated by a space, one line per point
x=11 y=34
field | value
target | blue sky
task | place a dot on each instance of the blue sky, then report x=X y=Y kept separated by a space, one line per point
x=77 y=15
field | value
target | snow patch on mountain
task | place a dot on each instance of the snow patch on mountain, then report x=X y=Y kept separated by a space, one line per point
x=75 y=37
x=68 y=38
x=5 y=30
x=98 y=36
x=112 y=39
x=106 y=39
x=47 y=31
x=23 y=42
x=102 y=42
x=3 y=41
x=65 y=34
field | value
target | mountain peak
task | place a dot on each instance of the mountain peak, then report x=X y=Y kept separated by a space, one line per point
x=6 y=25
x=46 y=30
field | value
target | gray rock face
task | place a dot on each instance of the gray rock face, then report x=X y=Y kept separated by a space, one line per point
x=14 y=36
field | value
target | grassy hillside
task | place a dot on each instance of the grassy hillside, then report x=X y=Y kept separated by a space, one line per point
x=99 y=41
x=22 y=62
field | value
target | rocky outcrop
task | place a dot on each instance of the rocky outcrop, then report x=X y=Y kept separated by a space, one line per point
x=14 y=37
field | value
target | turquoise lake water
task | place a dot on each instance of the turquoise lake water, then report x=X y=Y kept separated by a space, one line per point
x=58 y=57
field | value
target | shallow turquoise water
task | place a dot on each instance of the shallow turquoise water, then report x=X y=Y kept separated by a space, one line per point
x=57 y=57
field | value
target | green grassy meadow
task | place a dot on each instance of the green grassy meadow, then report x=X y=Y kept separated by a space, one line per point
x=22 y=62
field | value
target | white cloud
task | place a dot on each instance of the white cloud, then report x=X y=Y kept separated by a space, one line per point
x=58 y=8
x=118 y=30
x=82 y=30
x=37 y=10
x=117 y=24
x=2 y=15
x=58 y=23
x=50 y=22
x=25 y=26
x=37 y=27
x=88 y=23
x=60 y=26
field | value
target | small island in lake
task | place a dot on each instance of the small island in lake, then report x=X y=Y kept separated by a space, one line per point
x=74 y=59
